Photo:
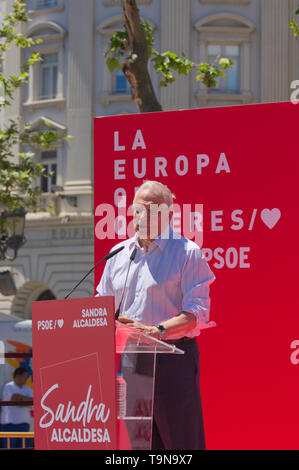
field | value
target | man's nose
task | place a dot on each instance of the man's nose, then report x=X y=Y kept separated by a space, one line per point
x=143 y=216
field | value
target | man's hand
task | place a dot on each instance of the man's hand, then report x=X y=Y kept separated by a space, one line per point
x=147 y=329
x=18 y=397
x=124 y=319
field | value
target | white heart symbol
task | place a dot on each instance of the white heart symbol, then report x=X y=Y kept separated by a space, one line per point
x=270 y=217
x=60 y=322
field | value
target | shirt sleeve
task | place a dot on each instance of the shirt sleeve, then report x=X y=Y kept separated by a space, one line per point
x=29 y=392
x=196 y=280
x=7 y=392
x=105 y=285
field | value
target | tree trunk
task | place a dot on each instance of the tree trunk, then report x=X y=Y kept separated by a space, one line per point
x=135 y=67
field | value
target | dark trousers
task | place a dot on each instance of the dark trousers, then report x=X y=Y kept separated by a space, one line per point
x=15 y=442
x=178 y=420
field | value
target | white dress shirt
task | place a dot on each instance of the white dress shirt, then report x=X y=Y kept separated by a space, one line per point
x=15 y=414
x=171 y=277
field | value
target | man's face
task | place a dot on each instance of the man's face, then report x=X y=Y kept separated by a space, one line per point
x=20 y=380
x=151 y=215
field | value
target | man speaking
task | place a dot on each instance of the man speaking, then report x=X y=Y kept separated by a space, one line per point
x=166 y=296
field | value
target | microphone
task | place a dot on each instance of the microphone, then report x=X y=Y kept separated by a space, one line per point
x=132 y=256
x=112 y=253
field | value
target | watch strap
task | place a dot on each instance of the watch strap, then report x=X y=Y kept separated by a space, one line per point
x=162 y=331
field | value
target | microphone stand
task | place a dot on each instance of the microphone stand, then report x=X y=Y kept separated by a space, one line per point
x=133 y=254
x=112 y=253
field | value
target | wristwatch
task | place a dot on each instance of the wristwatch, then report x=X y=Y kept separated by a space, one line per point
x=162 y=332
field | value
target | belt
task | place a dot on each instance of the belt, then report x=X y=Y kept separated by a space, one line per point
x=178 y=341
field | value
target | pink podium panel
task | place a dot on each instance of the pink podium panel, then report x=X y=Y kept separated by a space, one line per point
x=74 y=374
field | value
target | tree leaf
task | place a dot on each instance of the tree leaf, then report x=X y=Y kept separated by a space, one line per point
x=113 y=63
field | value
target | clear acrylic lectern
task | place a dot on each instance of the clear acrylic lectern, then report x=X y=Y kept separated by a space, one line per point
x=136 y=361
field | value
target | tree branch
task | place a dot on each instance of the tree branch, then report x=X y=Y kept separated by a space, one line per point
x=135 y=67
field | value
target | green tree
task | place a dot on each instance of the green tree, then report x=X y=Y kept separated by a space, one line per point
x=131 y=49
x=294 y=25
x=19 y=172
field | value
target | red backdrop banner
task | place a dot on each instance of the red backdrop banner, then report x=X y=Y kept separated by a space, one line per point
x=238 y=168
x=74 y=374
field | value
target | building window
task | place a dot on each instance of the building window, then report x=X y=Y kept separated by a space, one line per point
x=226 y=35
x=46 y=4
x=40 y=7
x=121 y=84
x=48 y=76
x=48 y=160
x=46 y=79
x=46 y=295
x=231 y=84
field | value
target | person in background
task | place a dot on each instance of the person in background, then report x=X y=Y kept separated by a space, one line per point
x=16 y=418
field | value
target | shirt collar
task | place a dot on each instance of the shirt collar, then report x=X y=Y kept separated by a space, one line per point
x=161 y=241
x=163 y=238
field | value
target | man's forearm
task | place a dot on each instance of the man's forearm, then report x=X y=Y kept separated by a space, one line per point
x=19 y=397
x=179 y=325
x=176 y=326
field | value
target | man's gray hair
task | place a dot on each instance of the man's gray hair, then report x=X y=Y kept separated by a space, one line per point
x=159 y=190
